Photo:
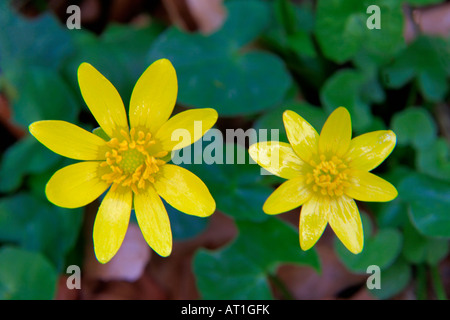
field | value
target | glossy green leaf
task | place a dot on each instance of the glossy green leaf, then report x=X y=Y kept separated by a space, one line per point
x=420 y=249
x=25 y=42
x=380 y=249
x=425 y=60
x=434 y=160
x=26 y=275
x=41 y=94
x=238 y=187
x=414 y=126
x=26 y=156
x=341 y=28
x=240 y=270
x=214 y=71
x=428 y=200
x=184 y=226
x=36 y=225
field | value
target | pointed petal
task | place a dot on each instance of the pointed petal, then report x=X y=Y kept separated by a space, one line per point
x=313 y=220
x=184 y=191
x=102 y=99
x=278 y=158
x=302 y=136
x=336 y=133
x=111 y=223
x=365 y=186
x=154 y=96
x=289 y=195
x=69 y=140
x=367 y=151
x=188 y=126
x=76 y=185
x=153 y=220
x=345 y=221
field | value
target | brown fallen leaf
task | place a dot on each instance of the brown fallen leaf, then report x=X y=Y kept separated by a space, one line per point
x=208 y=14
x=5 y=119
x=433 y=20
x=175 y=273
x=63 y=292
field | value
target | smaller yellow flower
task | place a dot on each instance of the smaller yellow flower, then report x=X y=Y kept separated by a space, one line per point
x=131 y=163
x=325 y=173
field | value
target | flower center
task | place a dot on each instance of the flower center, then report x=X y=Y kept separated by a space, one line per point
x=329 y=177
x=130 y=162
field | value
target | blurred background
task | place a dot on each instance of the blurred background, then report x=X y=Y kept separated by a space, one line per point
x=250 y=60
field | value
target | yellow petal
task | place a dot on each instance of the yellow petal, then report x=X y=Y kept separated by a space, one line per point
x=185 y=128
x=313 y=220
x=289 y=195
x=336 y=133
x=102 y=99
x=345 y=221
x=365 y=186
x=278 y=158
x=302 y=136
x=367 y=151
x=76 y=185
x=154 y=96
x=111 y=223
x=184 y=191
x=153 y=221
x=69 y=140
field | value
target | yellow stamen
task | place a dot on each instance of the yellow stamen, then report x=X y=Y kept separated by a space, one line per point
x=329 y=176
x=130 y=162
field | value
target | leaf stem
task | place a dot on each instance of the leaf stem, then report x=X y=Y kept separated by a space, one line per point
x=437 y=283
x=287 y=295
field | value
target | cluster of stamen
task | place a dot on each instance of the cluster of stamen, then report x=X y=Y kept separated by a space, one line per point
x=329 y=177
x=130 y=162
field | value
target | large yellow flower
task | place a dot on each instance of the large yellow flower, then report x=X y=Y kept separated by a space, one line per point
x=325 y=174
x=131 y=162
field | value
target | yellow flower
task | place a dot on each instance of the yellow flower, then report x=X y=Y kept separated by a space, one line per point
x=132 y=163
x=325 y=173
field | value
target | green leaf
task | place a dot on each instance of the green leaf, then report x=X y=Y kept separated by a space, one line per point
x=39 y=226
x=184 y=226
x=26 y=156
x=393 y=280
x=345 y=88
x=341 y=29
x=419 y=249
x=216 y=71
x=285 y=13
x=424 y=59
x=380 y=249
x=415 y=127
x=428 y=200
x=26 y=275
x=41 y=94
x=247 y=262
x=237 y=186
x=391 y=214
x=434 y=159
x=40 y=41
